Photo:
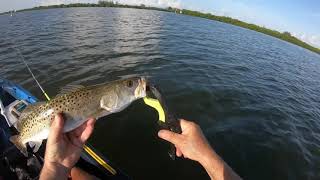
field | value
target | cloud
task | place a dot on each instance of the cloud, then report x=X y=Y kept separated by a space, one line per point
x=310 y=39
x=155 y=3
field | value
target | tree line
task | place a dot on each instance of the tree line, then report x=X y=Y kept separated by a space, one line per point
x=99 y=4
x=286 y=36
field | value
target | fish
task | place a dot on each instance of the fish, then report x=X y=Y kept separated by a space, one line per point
x=77 y=104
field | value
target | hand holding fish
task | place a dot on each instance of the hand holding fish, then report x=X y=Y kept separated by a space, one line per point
x=193 y=145
x=63 y=149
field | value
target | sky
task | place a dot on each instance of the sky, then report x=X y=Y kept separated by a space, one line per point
x=299 y=17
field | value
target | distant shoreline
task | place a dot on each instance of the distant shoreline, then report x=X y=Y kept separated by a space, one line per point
x=286 y=36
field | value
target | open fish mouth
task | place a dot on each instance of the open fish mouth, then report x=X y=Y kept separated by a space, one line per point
x=140 y=91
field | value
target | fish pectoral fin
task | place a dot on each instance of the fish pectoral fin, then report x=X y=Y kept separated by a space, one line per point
x=109 y=102
x=37 y=145
x=21 y=146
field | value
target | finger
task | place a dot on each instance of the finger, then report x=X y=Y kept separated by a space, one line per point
x=87 y=131
x=75 y=135
x=188 y=125
x=91 y=121
x=184 y=124
x=78 y=131
x=172 y=137
x=178 y=152
x=56 y=129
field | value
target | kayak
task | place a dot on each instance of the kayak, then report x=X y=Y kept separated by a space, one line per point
x=13 y=100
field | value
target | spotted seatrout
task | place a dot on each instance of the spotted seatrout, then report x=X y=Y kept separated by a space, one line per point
x=77 y=105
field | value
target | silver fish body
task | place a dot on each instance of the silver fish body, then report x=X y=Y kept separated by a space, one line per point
x=77 y=105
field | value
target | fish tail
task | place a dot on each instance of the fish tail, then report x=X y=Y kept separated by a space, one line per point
x=21 y=146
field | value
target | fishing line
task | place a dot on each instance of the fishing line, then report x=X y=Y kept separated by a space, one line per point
x=29 y=69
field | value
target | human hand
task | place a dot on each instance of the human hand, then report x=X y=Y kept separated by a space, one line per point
x=191 y=143
x=63 y=149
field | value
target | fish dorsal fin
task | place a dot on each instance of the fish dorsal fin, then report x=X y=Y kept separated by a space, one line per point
x=69 y=89
x=30 y=109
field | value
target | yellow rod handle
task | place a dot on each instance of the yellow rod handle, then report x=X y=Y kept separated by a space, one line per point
x=99 y=160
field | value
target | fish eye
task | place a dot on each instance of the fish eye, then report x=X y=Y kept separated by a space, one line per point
x=130 y=83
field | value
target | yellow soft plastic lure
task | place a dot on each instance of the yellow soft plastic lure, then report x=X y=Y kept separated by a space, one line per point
x=168 y=121
x=156 y=105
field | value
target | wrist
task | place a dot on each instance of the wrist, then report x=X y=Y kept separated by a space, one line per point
x=206 y=154
x=213 y=164
x=211 y=159
x=206 y=157
x=217 y=168
x=53 y=169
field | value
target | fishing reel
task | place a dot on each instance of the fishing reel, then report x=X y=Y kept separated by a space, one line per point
x=13 y=111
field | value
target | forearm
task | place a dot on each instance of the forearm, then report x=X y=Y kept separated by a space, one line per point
x=53 y=171
x=216 y=168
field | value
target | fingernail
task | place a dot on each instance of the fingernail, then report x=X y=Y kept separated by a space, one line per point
x=55 y=119
x=161 y=133
x=92 y=122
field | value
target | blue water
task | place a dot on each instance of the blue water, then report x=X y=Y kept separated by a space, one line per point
x=255 y=97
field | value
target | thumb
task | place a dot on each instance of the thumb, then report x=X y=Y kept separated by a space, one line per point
x=56 y=128
x=172 y=137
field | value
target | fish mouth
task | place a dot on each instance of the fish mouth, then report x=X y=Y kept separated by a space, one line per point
x=140 y=91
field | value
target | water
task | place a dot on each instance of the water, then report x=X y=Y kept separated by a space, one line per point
x=255 y=97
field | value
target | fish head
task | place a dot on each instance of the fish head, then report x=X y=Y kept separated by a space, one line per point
x=126 y=91
x=133 y=87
